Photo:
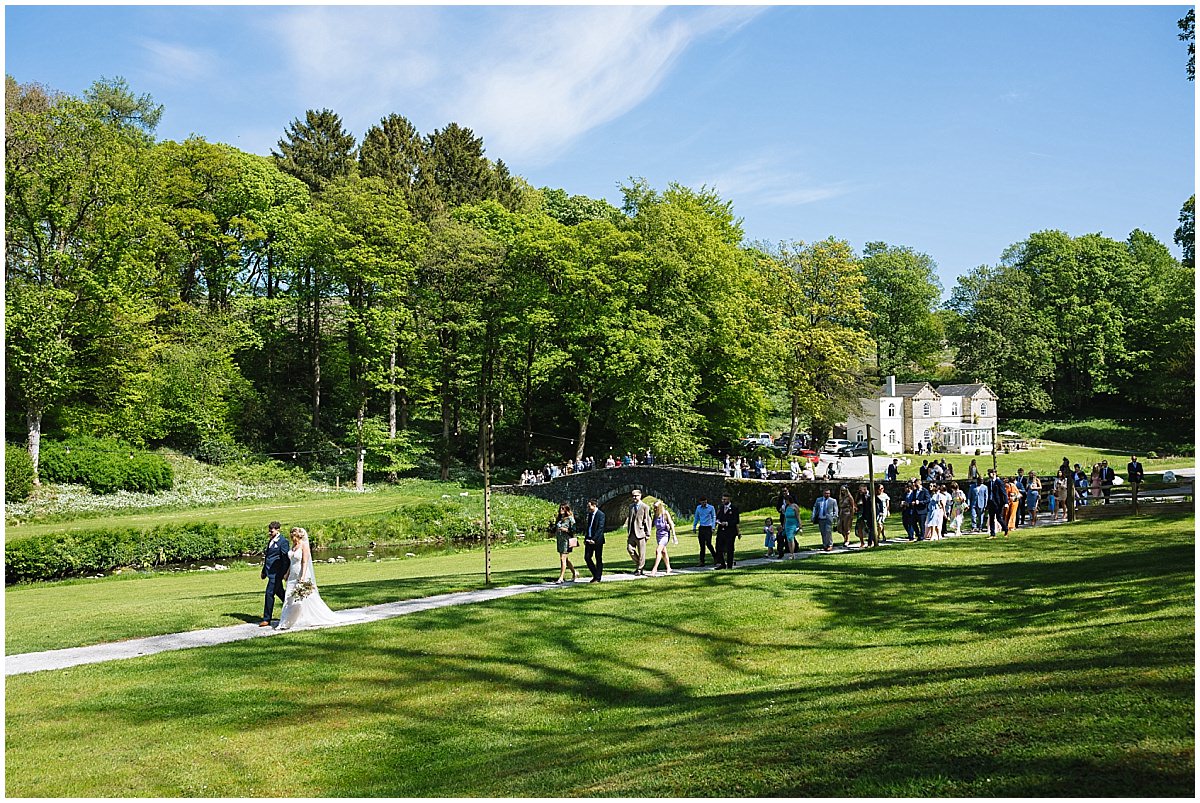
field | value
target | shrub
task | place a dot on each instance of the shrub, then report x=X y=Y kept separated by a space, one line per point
x=18 y=473
x=58 y=555
x=104 y=466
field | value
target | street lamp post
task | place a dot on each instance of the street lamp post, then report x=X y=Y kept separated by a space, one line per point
x=871 y=496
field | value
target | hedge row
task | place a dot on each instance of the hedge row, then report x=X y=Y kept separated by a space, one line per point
x=1118 y=438
x=18 y=473
x=58 y=555
x=104 y=466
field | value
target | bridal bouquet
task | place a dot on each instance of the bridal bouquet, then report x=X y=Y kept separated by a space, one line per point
x=302 y=590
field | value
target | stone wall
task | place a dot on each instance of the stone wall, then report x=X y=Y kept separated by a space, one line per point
x=679 y=487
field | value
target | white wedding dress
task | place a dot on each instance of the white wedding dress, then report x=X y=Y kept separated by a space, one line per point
x=310 y=611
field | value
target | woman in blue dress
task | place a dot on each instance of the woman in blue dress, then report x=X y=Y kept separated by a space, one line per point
x=791 y=524
x=664 y=531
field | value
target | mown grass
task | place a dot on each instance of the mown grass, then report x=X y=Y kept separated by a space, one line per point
x=300 y=507
x=1044 y=459
x=1058 y=662
x=72 y=613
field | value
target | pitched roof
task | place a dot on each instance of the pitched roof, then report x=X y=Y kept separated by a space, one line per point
x=906 y=389
x=963 y=390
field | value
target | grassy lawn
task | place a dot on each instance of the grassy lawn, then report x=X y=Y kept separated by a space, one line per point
x=1058 y=662
x=113 y=608
x=1044 y=459
x=305 y=507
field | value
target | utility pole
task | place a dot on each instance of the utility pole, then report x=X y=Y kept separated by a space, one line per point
x=995 y=435
x=487 y=504
x=873 y=514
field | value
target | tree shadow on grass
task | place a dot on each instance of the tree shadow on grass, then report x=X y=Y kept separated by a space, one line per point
x=649 y=689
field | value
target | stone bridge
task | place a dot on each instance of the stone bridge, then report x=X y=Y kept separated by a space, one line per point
x=678 y=486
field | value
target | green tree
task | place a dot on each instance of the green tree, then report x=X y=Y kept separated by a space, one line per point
x=822 y=341
x=1185 y=235
x=455 y=172
x=997 y=339
x=902 y=293
x=80 y=225
x=1188 y=26
x=39 y=356
x=116 y=103
x=394 y=151
x=374 y=246
x=317 y=149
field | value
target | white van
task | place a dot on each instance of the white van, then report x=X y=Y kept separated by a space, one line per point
x=833 y=444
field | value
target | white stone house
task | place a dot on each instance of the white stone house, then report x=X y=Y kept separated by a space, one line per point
x=958 y=418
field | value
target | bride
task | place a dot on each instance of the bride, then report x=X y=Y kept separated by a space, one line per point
x=302 y=605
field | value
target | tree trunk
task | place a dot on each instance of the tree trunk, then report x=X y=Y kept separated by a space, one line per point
x=795 y=423
x=527 y=398
x=445 y=394
x=33 y=422
x=316 y=362
x=583 y=428
x=359 y=451
x=392 y=394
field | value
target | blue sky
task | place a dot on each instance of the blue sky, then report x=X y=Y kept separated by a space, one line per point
x=955 y=130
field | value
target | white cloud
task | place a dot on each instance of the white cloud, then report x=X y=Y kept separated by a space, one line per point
x=771 y=181
x=355 y=59
x=556 y=75
x=529 y=80
x=175 y=62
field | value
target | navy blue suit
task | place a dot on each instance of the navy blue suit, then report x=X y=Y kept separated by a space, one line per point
x=593 y=544
x=275 y=568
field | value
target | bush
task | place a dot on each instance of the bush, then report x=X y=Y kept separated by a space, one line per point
x=58 y=555
x=18 y=473
x=104 y=466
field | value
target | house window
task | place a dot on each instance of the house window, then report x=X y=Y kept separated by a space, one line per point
x=953 y=408
x=891 y=411
x=983 y=408
x=859 y=436
x=926 y=437
x=925 y=408
x=891 y=436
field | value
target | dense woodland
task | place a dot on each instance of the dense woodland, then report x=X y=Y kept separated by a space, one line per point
x=387 y=299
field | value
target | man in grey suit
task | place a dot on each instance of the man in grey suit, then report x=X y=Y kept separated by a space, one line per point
x=593 y=540
x=824 y=515
x=640 y=524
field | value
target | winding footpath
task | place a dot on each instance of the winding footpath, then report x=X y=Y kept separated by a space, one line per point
x=25 y=663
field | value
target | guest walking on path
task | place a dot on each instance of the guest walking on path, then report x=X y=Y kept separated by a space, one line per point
x=728 y=519
x=593 y=541
x=1136 y=475
x=703 y=522
x=791 y=526
x=979 y=505
x=845 y=513
x=1060 y=497
x=1014 y=501
x=997 y=504
x=641 y=522
x=564 y=531
x=1033 y=495
x=958 y=503
x=825 y=513
x=664 y=531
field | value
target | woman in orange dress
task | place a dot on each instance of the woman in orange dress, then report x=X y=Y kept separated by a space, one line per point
x=1014 y=501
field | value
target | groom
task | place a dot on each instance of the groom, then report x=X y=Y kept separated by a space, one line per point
x=274 y=571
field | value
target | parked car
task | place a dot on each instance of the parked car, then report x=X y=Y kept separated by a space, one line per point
x=761 y=439
x=853 y=450
x=833 y=444
x=781 y=444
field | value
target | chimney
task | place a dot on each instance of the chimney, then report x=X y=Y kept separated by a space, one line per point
x=891 y=385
